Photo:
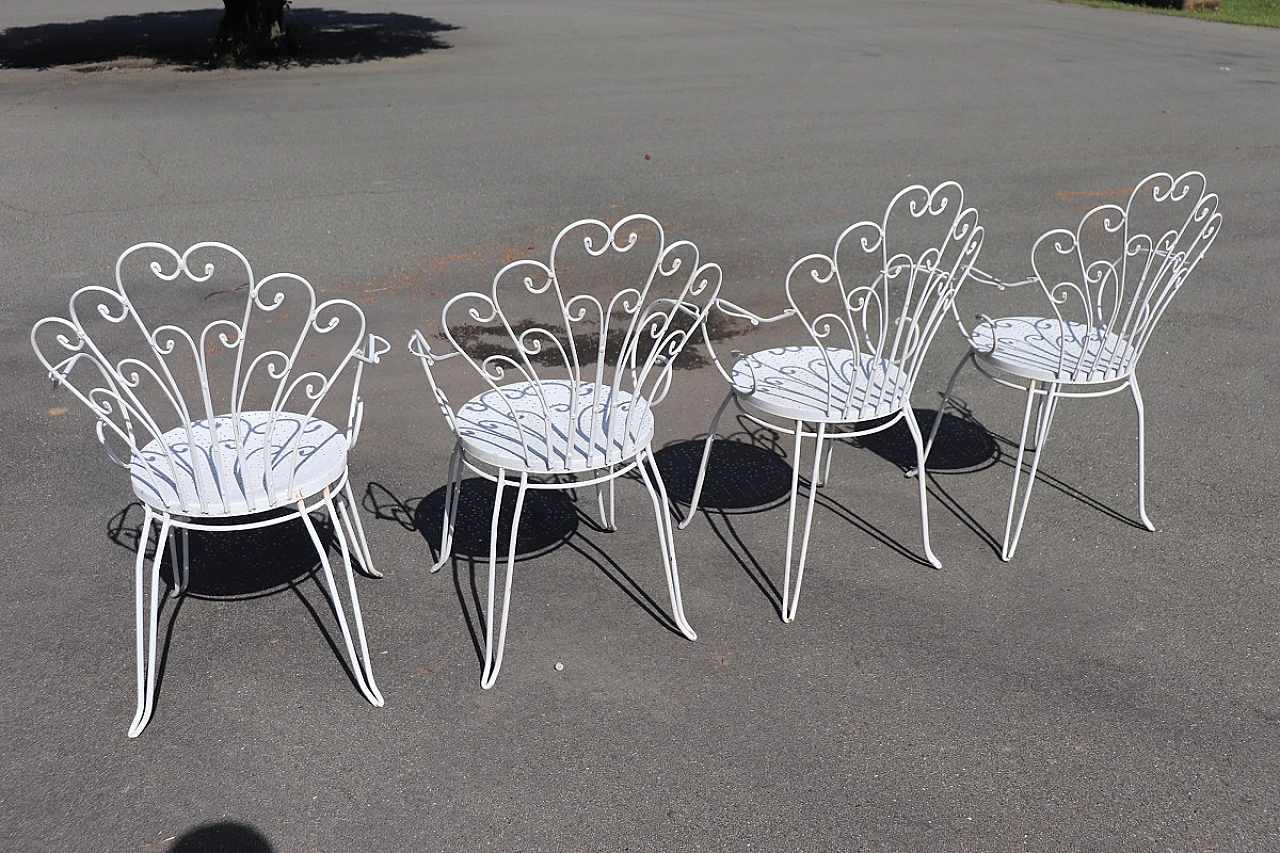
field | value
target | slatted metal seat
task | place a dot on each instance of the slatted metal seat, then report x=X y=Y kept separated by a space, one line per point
x=568 y=403
x=1106 y=284
x=222 y=429
x=867 y=313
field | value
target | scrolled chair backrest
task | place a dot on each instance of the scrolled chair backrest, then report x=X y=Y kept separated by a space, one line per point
x=1110 y=279
x=191 y=399
x=609 y=313
x=883 y=292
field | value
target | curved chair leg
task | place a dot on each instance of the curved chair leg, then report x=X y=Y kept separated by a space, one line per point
x=613 y=506
x=937 y=418
x=451 y=498
x=1042 y=423
x=351 y=516
x=706 y=456
x=347 y=511
x=826 y=468
x=360 y=664
x=914 y=427
x=492 y=654
x=1142 y=454
x=181 y=568
x=1044 y=419
x=147 y=617
x=790 y=600
x=608 y=516
x=666 y=539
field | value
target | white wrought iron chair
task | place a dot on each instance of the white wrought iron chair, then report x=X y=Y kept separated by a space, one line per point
x=568 y=401
x=869 y=311
x=1106 y=285
x=220 y=430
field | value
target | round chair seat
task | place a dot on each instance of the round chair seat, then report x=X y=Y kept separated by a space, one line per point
x=808 y=384
x=1050 y=350
x=303 y=456
x=543 y=428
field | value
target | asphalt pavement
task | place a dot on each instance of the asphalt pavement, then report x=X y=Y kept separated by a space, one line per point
x=1110 y=689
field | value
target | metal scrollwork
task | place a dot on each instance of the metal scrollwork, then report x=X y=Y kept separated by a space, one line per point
x=215 y=435
x=568 y=398
x=917 y=254
x=1105 y=284
x=1108 y=281
x=159 y=395
x=601 y=363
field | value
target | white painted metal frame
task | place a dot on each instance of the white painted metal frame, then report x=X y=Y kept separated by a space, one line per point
x=577 y=414
x=200 y=454
x=854 y=375
x=1107 y=284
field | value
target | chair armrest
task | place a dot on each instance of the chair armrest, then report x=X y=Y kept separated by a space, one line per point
x=984 y=277
x=987 y=279
x=59 y=372
x=419 y=346
x=101 y=427
x=102 y=401
x=729 y=309
x=375 y=347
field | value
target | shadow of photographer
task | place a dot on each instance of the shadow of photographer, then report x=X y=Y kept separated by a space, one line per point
x=226 y=836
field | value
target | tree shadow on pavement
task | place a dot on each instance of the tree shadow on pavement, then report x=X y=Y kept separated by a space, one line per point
x=185 y=40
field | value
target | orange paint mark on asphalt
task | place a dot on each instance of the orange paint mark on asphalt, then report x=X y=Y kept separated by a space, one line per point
x=1067 y=195
x=453 y=259
x=426 y=270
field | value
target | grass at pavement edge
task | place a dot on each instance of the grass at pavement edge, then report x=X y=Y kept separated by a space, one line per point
x=1258 y=13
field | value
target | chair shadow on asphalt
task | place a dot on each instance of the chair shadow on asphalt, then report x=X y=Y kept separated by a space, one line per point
x=242 y=565
x=185 y=40
x=550 y=520
x=749 y=473
x=957 y=445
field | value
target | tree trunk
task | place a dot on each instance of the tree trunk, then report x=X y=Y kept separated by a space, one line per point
x=251 y=26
